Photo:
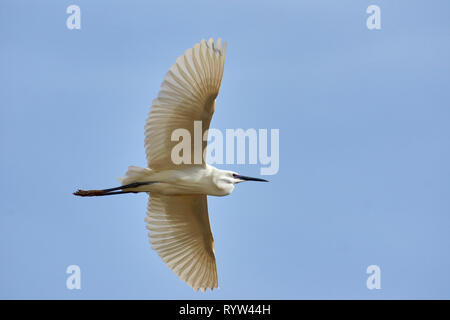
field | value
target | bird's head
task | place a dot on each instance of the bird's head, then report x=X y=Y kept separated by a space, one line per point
x=225 y=180
x=237 y=178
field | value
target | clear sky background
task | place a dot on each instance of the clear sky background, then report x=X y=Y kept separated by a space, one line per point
x=364 y=147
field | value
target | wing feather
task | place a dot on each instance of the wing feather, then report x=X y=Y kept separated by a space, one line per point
x=180 y=233
x=187 y=94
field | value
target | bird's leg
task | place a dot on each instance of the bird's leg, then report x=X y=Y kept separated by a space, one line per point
x=97 y=193
x=107 y=192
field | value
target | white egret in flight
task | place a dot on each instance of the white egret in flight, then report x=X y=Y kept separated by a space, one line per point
x=177 y=212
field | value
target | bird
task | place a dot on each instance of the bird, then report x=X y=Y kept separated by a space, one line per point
x=177 y=211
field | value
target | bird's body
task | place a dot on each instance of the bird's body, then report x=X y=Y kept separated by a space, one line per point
x=206 y=180
x=177 y=212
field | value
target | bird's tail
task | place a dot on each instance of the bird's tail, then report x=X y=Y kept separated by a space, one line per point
x=135 y=174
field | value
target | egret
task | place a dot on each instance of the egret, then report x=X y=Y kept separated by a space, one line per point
x=177 y=211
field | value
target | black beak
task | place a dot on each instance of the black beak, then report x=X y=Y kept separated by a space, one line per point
x=238 y=176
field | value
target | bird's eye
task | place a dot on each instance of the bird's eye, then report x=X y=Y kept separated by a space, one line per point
x=235 y=175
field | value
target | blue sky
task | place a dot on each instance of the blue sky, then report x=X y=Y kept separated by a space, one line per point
x=364 y=147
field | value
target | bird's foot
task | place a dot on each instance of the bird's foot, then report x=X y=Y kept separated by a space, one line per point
x=89 y=193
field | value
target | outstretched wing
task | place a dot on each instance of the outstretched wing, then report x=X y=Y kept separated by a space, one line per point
x=181 y=235
x=187 y=94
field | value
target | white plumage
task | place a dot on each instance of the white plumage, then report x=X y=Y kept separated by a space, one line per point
x=180 y=233
x=187 y=94
x=177 y=212
x=179 y=225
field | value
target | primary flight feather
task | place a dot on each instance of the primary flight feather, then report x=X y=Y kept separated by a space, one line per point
x=177 y=212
